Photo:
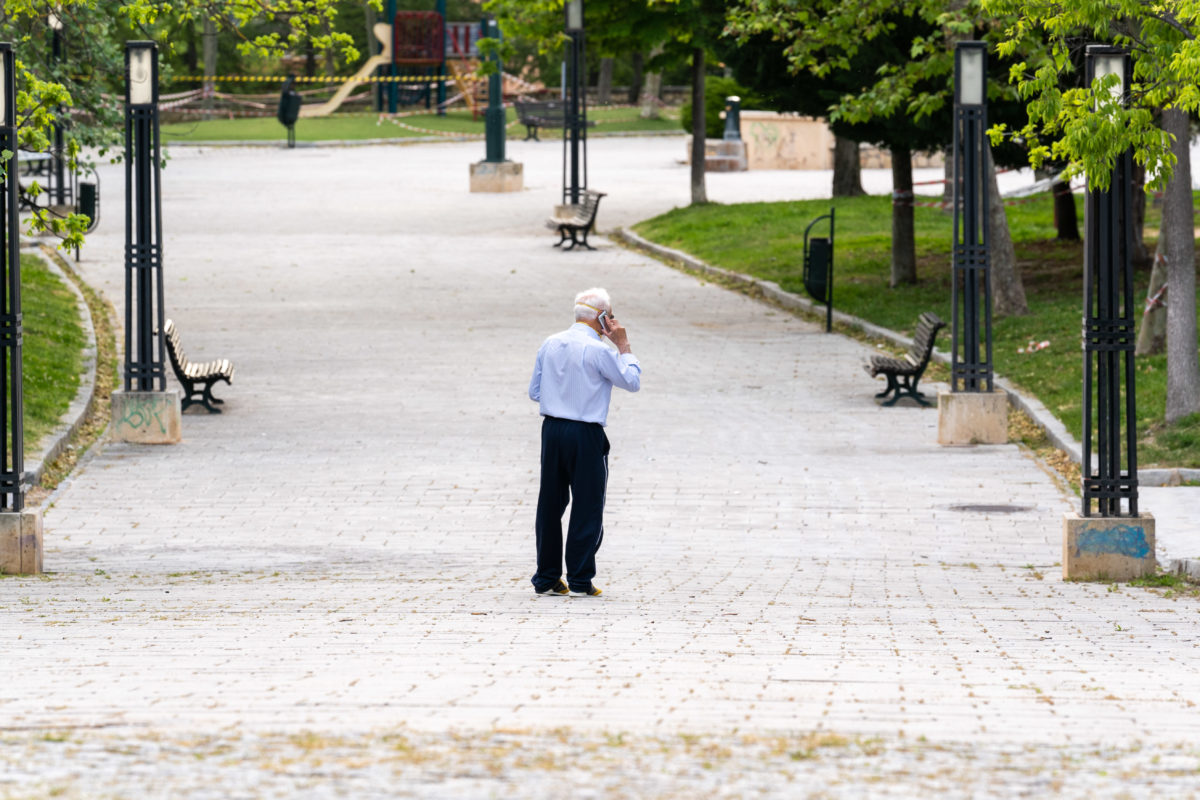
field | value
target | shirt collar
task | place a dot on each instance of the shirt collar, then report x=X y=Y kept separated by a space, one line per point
x=587 y=329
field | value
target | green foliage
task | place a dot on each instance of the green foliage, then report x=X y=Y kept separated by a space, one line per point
x=1092 y=128
x=715 y=92
x=668 y=28
x=52 y=351
x=827 y=36
x=880 y=70
x=1162 y=580
x=75 y=88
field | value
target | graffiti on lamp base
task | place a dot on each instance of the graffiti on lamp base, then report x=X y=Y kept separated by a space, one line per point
x=141 y=415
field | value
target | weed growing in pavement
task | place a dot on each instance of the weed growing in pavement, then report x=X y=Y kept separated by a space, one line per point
x=1162 y=579
x=1034 y=572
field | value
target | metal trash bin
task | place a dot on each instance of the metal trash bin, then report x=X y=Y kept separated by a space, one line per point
x=89 y=203
x=289 y=109
x=818 y=267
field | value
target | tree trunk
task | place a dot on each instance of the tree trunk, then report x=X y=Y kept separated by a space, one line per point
x=1008 y=293
x=330 y=54
x=1183 y=362
x=1152 y=336
x=1141 y=256
x=635 y=85
x=604 y=84
x=847 y=171
x=210 y=64
x=191 y=55
x=1066 y=217
x=650 y=99
x=904 y=243
x=698 y=128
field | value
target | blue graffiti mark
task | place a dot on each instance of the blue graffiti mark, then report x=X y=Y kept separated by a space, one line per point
x=1124 y=540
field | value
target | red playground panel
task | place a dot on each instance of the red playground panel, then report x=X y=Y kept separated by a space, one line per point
x=418 y=38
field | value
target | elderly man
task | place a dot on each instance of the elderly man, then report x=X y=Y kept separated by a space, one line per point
x=572 y=380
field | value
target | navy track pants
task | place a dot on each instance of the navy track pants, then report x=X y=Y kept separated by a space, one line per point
x=575 y=469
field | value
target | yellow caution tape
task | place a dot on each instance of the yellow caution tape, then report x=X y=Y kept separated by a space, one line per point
x=304 y=79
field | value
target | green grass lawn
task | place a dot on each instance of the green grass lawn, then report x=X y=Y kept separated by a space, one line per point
x=357 y=126
x=766 y=240
x=52 y=348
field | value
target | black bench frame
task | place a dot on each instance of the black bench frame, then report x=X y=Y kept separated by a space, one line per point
x=206 y=374
x=534 y=114
x=576 y=228
x=904 y=373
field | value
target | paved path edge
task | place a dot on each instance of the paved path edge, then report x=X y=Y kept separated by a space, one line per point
x=398 y=140
x=53 y=444
x=1033 y=408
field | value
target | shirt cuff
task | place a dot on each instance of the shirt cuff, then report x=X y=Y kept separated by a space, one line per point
x=630 y=359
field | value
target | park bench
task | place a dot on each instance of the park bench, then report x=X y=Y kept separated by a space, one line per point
x=541 y=114
x=192 y=375
x=903 y=373
x=580 y=223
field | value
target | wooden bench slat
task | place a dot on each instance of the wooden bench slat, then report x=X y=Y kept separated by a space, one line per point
x=190 y=374
x=904 y=373
x=580 y=224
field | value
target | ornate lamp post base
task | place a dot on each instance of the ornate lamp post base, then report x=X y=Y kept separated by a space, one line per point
x=973 y=417
x=1107 y=548
x=21 y=542
x=497 y=176
x=147 y=417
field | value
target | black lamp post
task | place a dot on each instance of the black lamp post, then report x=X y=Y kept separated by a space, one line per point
x=143 y=222
x=971 y=362
x=12 y=449
x=575 y=118
x=494 y=117
x=440 y=69
x=1109 y=313
x=60 y=156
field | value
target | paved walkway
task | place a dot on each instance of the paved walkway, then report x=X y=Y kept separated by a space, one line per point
x=324 y=591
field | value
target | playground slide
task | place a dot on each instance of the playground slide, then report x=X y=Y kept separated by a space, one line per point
x=383 y=32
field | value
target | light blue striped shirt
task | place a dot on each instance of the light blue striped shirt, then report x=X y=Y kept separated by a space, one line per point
x=575 y=372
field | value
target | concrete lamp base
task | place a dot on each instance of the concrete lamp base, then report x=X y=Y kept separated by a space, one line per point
x=1107 y=548
x=972 y=418
x=722 y=155
x=21 y=542
x=147 y=417
x=503 y=176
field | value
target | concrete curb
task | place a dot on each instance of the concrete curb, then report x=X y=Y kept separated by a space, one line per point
x=57 y=440
x=1055 y=431
x=399 y=140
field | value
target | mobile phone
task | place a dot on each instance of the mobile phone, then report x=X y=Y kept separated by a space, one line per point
x=602 y=318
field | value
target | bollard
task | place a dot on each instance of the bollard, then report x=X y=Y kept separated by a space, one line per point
x=733 y=119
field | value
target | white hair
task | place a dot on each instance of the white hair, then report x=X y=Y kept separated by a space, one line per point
x=588 y=301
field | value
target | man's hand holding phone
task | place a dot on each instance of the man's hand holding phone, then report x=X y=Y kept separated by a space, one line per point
x=615 y=331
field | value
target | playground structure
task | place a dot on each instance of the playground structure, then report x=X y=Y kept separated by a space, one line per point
x=416 y=42
x=419 y=54
x=383 y=32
